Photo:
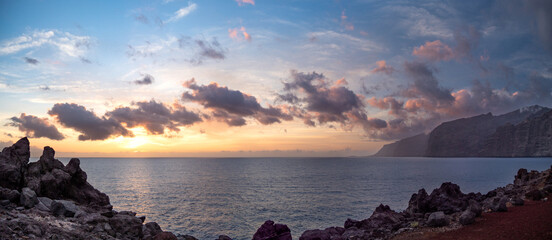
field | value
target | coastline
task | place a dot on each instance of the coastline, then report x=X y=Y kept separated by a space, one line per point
x=97 y=220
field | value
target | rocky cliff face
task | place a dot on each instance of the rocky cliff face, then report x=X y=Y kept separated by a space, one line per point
x=408 y=147
x=525 y=132
x=532 y=137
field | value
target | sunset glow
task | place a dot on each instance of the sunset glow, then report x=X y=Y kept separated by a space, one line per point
x=261 y=78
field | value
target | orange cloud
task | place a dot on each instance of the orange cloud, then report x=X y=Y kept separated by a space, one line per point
x=383 y=67
x=242 y=2
x=233 y=33
x=434 y=51
x=341 y=81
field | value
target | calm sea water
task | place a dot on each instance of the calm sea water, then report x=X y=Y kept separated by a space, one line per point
x=233 y=196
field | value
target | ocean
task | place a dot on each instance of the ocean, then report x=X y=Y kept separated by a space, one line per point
x=207 y=197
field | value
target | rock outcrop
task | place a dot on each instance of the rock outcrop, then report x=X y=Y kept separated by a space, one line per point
x=47 y=200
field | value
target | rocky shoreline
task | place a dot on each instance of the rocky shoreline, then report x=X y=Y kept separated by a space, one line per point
x=47 y=200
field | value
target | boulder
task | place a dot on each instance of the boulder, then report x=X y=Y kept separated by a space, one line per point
x=165 y=236
x=271 y=231
x=127 y=226
x=383 y=219
x=13 y=164
x=63 y=208
x=437 y=219
x=476 y=208
x=499 y=204
x=28 y=198
x=534 y=195
x=315 y=234
x=9 y=194
x=223 y=237
x=150 y=230
x=467 y=217
x=517 y=201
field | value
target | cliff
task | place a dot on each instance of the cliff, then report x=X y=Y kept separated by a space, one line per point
x=411 y=146
x=525 y=132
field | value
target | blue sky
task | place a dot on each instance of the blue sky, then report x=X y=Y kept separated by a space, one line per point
x=284 y=76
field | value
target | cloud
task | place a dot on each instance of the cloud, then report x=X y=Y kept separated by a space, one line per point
x=31 y=60
x=234 y=33
x=466 y=38
x=154 y=116
x=67 y=43
x=382 y=67
x=313 y=99
x=36 y=127
x=86 y=122
x=434 y=51
x=182 y=12
x=146 y=80
x=212 y=50
x=141 y=18
x=425 y=84
x=85 y=60
x=232 y=106
x=348 y=26
x=243 y=2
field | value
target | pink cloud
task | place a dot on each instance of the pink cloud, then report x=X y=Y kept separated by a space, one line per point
x=233 y=33
x=243 y=2
x=434 y=51
x=348 y=26
x=383 y=68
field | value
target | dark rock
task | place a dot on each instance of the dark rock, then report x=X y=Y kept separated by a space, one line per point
x=467 y=217
x=4 y=202
x=271 y=231
x=382 y=219
x=33 y=229
x=476 y=208
x=63 y=208
x=13 y=164
x=315 y=234
x=150 y=230
x=9 y=194
x=517 y=201
x=130 y=213
x=534 y=195
x=349 y=223
x=28 y=198
x=437 y=219
x=165 y=236
x=185 y=237
x=223 y=237
x=499 y=204
x=127 y=226
x=92 y=218
x=108 y=213
x=447 y=198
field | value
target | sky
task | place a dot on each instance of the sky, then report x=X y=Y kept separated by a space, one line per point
x=249 y=78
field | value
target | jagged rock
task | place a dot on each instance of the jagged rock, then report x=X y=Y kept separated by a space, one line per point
x=127 y=226
x=349 y=223
x=165 y=236
x=150 y=230
x=382 y=219
x=223 y=237
x=467 y=217
x=28 y=198
x=437 y=219
x=9 y=194
x=13 y=164
x=271 y=231
x=447 y=198
x=92 y=218
x=63 y=208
